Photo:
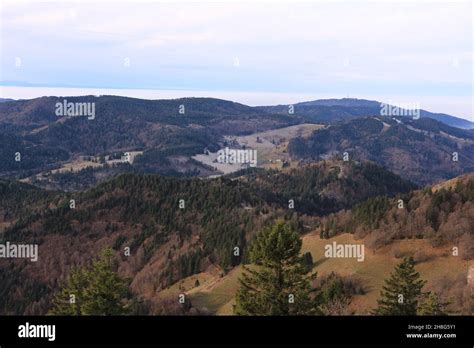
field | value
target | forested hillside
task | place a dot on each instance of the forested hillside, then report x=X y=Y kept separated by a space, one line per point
x=328 y=111
x=180 y=127
x=442 y=214
x=175 y=227
x=424 y=151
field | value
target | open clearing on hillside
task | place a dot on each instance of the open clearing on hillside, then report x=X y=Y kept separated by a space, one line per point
x=216 y=294
x=271 y=147
x=378 y=265
x=81 y=163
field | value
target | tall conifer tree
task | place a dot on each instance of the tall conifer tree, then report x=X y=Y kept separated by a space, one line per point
x=402 y=291
x=278 y=282
x=97 y=290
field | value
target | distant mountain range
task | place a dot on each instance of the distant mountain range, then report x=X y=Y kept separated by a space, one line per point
x=160 y=128
x=321 y=110
x=330 y=110
x=168 y=131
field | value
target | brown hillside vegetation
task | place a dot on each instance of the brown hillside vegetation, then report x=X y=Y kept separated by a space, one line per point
x=419 y=150
x=443 y=215
x=176 y=251
x=168 y=243
x=445 y=274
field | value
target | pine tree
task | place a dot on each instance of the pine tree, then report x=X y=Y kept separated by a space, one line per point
x=402 y=291
x=68 y=301
x=432 y=305
x=97 y=290
x=278 y=283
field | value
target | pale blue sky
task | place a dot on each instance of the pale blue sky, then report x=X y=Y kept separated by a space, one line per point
x=418 y=51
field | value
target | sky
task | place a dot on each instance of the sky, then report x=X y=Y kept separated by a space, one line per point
x=255 y=52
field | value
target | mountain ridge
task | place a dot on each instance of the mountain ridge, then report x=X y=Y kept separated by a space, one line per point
x=368 y=106
x=314 y=108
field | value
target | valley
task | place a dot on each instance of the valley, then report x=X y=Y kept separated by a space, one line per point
x=147 y=182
